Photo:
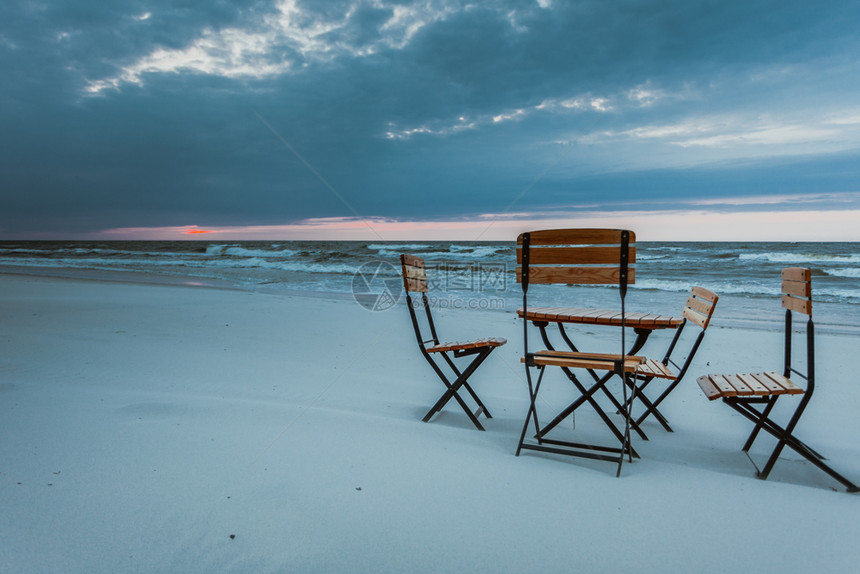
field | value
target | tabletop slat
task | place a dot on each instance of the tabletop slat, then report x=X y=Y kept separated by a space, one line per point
x=602 y=317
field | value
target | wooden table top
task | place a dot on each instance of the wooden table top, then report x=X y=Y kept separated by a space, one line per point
x=601 y=317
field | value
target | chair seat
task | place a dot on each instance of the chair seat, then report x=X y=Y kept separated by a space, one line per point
x=652 y=368
x=748 y=385
x=460 y=345
x=575 y=360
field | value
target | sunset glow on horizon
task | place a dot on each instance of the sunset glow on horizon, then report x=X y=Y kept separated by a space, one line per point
x=833 y=225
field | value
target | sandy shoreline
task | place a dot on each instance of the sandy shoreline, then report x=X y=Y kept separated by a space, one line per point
x=144 y=425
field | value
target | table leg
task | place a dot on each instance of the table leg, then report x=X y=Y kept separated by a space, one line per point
x=600 y=383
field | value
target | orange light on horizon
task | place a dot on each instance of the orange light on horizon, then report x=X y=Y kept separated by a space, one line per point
x=195 y=231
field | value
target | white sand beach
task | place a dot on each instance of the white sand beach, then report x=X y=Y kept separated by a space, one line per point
x=152 y=428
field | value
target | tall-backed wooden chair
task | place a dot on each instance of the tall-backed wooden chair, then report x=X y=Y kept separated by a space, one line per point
x=415 y=283
x=698 y=310
x=577 y=257
x=754 y=395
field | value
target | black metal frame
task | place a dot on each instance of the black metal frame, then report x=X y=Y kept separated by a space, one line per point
x=747 y=406
x=599 y=384
x=462 y=377
x=590 y=451
x=651 y=406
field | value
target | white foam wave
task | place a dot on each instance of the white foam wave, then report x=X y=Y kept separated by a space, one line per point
x=236 y=251
x=838 y=293
x=852 y=273
x=643 y=257
x=719 y=288
x=798 y=258
x=661 y=285
x=398 y=246
x=474 y=254
x=146 y=265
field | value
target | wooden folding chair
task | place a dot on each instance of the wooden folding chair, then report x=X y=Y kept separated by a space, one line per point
x=583 y=257
x=415 y=281
x=698 y=310
x=754 y=395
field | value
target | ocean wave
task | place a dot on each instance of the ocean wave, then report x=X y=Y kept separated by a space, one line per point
x=840 y=294
x=440 y=251
x=647 y=257
x=399 y=246
x=718 y=288
x=479 y=250
x=658 y=285
x=440 y=256
x=799 y=258
x=852 y=273
x=237 y=251
x=103 y=264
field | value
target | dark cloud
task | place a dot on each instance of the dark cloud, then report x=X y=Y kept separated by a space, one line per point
x=423 y=111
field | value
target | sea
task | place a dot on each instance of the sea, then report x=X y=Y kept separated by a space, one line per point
x=469 y=275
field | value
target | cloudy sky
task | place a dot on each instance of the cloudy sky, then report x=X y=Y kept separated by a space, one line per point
x=379 y=119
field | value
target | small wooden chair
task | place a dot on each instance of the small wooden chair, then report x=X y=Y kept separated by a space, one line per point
x=415 y=281
x=754 y=395
x=698 y=310
x=578 y=257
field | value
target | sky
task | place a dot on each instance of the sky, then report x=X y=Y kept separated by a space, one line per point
x=389 y=120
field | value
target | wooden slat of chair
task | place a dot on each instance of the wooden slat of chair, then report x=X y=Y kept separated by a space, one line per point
x=415 y=285
x=607 y=356
x=725 y=388
x=753 y=383
x=703 y=307
x=415 y=272
x=412 y=260
x=747 y=384
x=460 y=345
x=708 y=387
x=576 y=275
x=587 y=361
x=796 y=274
x=696 y=317
x=700 y=306
x=786 y=386
x=800 y=305
x=797 y=288
x=741 y=387
x=583 y=236
x=703 y=293
x=652 y=368
x=574 y=255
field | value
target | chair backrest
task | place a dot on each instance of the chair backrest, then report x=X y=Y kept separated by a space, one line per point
x=576 y=257
x=415 y=281
x=797 y=290
x=698 y=310
x=797 y=298
x=700 y=306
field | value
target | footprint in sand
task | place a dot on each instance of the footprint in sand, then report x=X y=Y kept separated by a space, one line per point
x=153 y=410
